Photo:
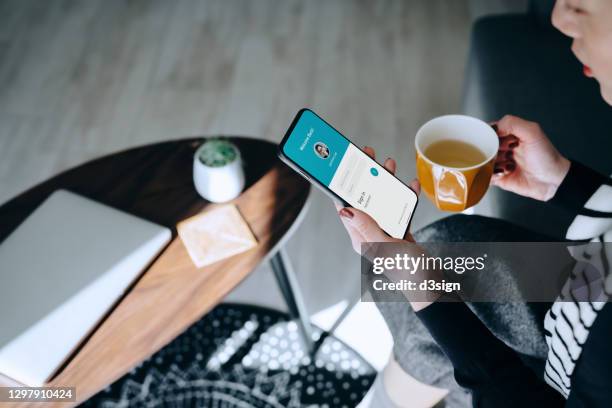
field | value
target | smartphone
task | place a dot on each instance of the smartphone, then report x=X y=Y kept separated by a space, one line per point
x=330 y=161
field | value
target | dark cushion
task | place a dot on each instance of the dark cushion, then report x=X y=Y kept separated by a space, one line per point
x=542 y=10
x=516 y=66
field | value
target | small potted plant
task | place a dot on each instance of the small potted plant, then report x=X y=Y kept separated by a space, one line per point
x=217 y=170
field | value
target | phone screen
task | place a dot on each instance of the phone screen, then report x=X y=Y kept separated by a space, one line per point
x=336 y=163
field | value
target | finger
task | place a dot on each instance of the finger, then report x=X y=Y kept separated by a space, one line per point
x=354 y=235
x=508 y=142
x=504 y=166
x=501 y=180
x=346 y=213
x=390 y=165
x=497 y=179
x=415 y=186
x=355 y=232
x=370 y=152
x=504 y=155
x=408 y=237
x=363 y=224
x=504 y=163
x=521 y=128
x=501 y=165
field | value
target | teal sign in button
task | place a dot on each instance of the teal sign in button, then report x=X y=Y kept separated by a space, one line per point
x=374 y=171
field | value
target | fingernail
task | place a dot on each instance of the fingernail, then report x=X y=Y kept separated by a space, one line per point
x=346 y=213
x=510 y=167
x=513 y=145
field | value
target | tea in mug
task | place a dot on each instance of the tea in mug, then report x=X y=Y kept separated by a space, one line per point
x=454 y=153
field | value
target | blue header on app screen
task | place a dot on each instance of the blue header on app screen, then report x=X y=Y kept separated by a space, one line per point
x=316 y=147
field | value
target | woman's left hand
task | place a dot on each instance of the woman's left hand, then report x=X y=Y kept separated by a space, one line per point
x=363 y=229
x=360 y=226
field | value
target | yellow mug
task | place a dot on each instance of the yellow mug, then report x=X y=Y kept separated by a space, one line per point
x=455 y=188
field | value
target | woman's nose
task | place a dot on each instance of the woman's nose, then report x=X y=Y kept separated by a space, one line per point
x=564 y=19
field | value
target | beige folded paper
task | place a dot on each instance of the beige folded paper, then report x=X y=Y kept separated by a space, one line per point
x=215 y=235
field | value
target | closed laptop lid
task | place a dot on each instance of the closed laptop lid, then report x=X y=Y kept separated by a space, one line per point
x=60 y=272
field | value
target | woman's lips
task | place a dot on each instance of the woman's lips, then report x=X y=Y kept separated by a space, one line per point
x=587 y=71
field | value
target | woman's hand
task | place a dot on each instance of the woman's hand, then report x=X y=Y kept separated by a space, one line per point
x=360 y=226
x=363 y=229
x=527 y=163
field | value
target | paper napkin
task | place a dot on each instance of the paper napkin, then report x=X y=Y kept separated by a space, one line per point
x=215 y=235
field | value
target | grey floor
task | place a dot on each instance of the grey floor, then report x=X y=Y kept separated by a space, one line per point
x=79 y=79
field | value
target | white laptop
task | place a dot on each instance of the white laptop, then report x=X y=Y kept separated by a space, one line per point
x=61 y=271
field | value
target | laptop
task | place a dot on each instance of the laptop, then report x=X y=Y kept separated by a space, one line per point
x=61 y=271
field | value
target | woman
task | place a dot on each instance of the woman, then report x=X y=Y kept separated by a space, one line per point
x=578 y=335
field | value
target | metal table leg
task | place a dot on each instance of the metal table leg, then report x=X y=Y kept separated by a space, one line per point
x=290 y=290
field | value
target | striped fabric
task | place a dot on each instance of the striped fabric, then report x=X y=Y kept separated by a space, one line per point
x=568 y=322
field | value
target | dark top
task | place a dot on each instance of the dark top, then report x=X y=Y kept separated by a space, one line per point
x=493 y=372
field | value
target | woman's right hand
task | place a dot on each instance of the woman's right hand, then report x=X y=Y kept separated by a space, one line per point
x=527 y=163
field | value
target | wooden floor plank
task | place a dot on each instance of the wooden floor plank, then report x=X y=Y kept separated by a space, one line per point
x=82 y=79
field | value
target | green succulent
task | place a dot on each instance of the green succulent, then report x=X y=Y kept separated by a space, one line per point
x=217 y=153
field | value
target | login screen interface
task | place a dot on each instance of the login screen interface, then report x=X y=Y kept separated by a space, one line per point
x=350 y=173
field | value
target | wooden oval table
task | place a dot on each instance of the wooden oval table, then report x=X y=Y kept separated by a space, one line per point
x=155 y=182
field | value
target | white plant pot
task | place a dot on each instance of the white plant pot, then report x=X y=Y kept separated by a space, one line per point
x=218 y=184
